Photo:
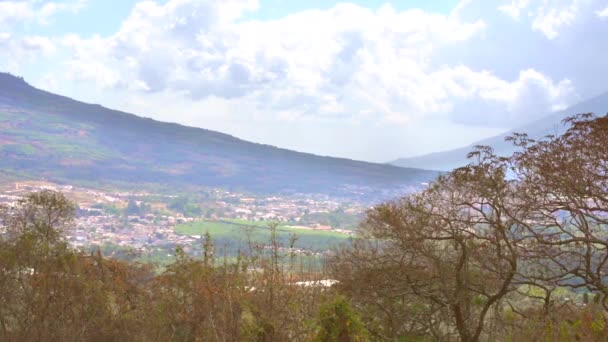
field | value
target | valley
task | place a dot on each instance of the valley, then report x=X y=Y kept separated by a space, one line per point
x=149 y=226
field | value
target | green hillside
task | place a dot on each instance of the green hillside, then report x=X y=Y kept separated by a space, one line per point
x=51 y=136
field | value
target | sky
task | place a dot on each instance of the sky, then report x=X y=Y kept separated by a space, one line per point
x=370 y=80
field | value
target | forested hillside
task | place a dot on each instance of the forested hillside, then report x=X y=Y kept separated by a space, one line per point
x=46 y=135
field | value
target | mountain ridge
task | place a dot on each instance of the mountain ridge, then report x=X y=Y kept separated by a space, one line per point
x=546 y=125
x=52 y=135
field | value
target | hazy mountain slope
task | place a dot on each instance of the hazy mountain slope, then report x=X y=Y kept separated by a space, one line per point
x=550 y=124
x=52 y=136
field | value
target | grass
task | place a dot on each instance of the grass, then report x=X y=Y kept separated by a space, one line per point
x=241 y=230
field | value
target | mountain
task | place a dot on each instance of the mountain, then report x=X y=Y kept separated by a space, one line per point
x=57 y=138
x=549 y=124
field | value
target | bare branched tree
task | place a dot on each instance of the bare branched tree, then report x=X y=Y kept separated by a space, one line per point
x=453 y=248
x=564 y=182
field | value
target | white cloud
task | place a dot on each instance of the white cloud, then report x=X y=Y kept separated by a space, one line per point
x=534 y=91
x=483 y=98
x=348 y=62
x=514 y=8
x=13 y=12
x=4 y=37
x=549 y=20
x=602 y=13
x=50 y=9
x=548 y=17
x=310 y=65
x=18 y=51
x=37 y=43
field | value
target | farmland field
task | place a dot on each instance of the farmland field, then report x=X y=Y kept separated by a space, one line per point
x=243 y=231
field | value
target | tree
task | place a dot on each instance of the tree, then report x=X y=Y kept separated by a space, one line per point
x=44 y=216
x=338 y=322
x=452 y=248
x=208 y=250
x=133 y=209
x=196 y=301
x=48 y=291
x=186 y=206
x=564 y=182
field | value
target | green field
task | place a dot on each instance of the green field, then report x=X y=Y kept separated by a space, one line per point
x=243 y=231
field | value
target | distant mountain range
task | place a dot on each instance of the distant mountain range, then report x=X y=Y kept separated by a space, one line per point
x=550 y=124
x=57 y=138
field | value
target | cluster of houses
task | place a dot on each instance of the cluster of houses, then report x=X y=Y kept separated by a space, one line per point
x=131 y=231
x=96 y=226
